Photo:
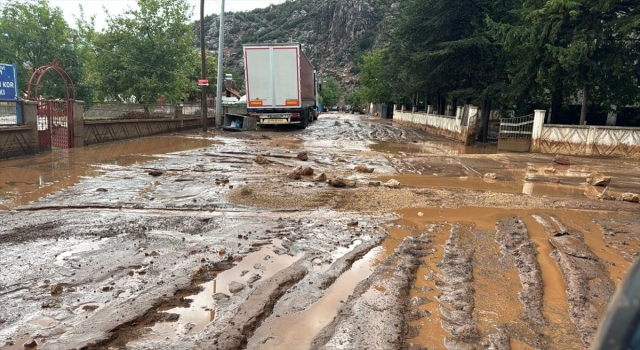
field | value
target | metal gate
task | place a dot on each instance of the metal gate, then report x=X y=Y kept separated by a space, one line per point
x=55 y=124
x=515 y=134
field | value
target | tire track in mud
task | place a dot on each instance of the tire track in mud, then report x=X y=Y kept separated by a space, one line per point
x=514 y=241
x=456 y=302
x=589 y=286
x=375 y=316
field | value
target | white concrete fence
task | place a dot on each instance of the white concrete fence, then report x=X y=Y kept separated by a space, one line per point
x=457 y=128
x=584 y=140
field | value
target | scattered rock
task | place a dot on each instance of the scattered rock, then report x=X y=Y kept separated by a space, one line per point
x=220 y=297
x=303 y=156
x=341 y=160
x=254 y=278
x=375 y=183
x=2 y=321
x=363 y=169
x=235 y=287
x=294 y=176
x=554 y=180
x=550 y=170
x=155 y=173
x=598 y=179
x=338 y=182
x=320 y=178
x=629 y=197
x=490 y=176
x=306 y=171
x=31 y=345
x=353 y=224
x=262 y=160
x=102 y=190
x=393 y=183
x=56 y=289
x=562 y=160
x=245 y=191
x=299 y=172
x=420 y=214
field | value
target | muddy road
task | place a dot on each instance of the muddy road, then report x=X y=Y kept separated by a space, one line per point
x=352 y=234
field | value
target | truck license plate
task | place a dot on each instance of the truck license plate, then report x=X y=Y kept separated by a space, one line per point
x=274 y=121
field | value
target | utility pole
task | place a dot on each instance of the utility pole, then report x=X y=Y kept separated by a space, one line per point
x=203 y=108
x=220 y=68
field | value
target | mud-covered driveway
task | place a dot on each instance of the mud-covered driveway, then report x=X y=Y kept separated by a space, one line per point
x=239 y=241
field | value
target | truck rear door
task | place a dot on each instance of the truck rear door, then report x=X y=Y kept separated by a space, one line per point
x=272 y=76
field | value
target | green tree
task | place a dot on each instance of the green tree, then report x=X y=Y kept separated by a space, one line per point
x=564 y=47
x=355 y=99
x=34 y=34
x=147 y=52
x=375 y=85
x=331 y=92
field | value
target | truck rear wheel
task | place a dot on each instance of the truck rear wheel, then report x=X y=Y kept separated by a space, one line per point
x=304 y=120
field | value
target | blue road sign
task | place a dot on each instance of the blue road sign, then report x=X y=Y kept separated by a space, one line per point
x=8 y=82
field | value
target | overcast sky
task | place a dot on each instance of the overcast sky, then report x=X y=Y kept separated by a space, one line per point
x=94 y=7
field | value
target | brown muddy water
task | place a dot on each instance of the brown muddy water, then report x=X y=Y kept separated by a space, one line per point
x=432 y=147
x=496 y=295
x=24 y=180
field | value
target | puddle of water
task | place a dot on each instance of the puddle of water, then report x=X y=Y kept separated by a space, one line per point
x=201 y=311
x=297 y=331
x=431 y=334
x=20 y=340
x=475 y=183
x=493 y=302
x=80 y=248
x=45 y=322
x=26 y=179
x=432 y=147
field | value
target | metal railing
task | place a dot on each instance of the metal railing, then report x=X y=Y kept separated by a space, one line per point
x=520 y=127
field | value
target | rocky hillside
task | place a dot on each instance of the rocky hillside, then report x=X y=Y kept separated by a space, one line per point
x=334 y=32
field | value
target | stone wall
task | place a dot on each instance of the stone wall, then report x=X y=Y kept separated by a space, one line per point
x=455 y=128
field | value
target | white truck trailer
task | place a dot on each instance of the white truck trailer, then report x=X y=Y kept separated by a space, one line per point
x=281 y=85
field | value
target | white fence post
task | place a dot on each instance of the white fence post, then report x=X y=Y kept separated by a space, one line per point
x=536 y=133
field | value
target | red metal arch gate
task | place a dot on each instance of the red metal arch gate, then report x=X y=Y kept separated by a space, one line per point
x=55 y=124
x=55 y=117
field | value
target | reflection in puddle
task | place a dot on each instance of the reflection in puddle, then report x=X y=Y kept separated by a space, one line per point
x=499 y=303
x=82 y=247
x=475 y=183
x=24 y=180
x=433 y=147
x=296 y=331
x=201 y=311
x=45 y=322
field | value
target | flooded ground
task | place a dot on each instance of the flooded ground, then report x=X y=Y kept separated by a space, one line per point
x=208 y=241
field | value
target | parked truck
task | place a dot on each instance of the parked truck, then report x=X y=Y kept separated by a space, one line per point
x=281 y=85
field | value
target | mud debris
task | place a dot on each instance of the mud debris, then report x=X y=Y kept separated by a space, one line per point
x=598 y=179
x=320 y=178
x=629 y=197
x=155 y=173
x=490 y=176
x=562 y=160
x=589 y=286
x=392 y=184
x=338 y=182
x=360 y=168
x=262 y=160
x=514 y=240
x=374 y=317
x=303 y=156
x=233 y=333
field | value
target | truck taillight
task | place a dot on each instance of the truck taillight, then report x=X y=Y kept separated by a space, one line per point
x=295 y=116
